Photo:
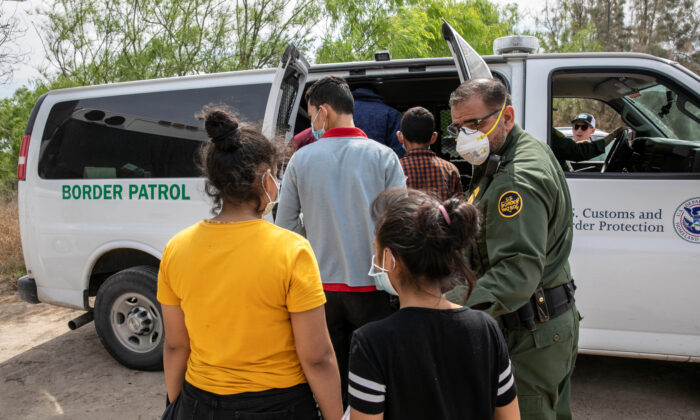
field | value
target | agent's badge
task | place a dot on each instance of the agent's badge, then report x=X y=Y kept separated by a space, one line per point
x=510 y=204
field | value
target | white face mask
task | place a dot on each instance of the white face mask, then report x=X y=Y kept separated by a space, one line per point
x=381 y=278
x=270 y=203
x=474 y=147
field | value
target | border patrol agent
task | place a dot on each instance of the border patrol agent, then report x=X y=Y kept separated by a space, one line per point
x=566 y=149
x=521 y=255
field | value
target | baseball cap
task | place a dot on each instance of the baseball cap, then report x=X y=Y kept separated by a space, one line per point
x=590 y=119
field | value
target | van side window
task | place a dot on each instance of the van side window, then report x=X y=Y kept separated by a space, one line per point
x=149 y=135
x=663 y=120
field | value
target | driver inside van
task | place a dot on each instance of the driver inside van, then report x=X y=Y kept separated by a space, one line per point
x=581 y=147
x=582 y=127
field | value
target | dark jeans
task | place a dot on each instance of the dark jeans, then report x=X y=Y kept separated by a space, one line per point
x=295 y=403
x=347 y=311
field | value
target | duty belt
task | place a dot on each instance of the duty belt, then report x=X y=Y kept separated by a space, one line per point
x=544 y=305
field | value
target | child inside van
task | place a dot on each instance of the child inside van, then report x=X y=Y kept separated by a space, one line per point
x=423 y=169
x=432 y=359
x=242 y=300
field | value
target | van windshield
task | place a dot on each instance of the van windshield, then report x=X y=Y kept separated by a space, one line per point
x=674 y=115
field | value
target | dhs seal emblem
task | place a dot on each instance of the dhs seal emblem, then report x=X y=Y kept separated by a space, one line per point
x=686 y=220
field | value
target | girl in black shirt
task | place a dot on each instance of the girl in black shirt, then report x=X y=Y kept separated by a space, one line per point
x=432 y=359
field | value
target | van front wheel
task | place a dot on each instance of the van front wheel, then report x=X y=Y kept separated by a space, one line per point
x=128 y=318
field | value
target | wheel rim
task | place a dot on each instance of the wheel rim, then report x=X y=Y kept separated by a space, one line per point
x=136 y=322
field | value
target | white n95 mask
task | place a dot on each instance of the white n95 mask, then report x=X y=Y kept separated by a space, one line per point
x=474 y=147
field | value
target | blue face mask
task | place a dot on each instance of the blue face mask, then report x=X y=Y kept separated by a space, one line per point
x=381 y=278
x=317 y=133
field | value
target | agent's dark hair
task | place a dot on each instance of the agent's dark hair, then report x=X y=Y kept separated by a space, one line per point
x=234 y=159
x=418 y=125
x=411 y=224
x=334 y=91
x=492 y=91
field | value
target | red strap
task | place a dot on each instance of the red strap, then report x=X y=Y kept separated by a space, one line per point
x=340 y=287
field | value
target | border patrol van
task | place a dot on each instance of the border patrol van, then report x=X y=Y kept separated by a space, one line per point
x=107 y=174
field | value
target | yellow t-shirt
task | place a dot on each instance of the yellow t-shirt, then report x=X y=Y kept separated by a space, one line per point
x=237 y=284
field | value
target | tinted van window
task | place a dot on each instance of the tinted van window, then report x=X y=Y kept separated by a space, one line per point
x=137 y=136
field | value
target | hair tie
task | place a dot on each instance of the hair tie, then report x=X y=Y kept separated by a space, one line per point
x=224 y=136
x=444 y=214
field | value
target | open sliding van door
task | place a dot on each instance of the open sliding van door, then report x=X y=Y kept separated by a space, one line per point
x=285 y=95
x=284 y=99
x=469 y=63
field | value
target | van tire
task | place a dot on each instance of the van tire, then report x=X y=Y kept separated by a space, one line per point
x=128 y=318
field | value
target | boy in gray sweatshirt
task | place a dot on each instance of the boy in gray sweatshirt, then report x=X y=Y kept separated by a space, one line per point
x=333 y=182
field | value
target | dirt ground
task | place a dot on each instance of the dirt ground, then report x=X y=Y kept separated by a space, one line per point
x=50 y=372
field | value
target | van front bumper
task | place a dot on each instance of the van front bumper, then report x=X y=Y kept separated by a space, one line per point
x=26 y=286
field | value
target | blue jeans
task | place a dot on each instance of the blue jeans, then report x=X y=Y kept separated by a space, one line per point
x=295 y=403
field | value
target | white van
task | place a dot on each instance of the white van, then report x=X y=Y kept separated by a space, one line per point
x=108 y=175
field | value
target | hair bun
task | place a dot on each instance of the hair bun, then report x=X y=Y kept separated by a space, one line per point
x=222 y=128
x=431 y=224
x=464 y=221
x=225 y=136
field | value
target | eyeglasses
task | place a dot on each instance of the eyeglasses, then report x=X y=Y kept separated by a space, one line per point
x=469 y=127
x=583 y=127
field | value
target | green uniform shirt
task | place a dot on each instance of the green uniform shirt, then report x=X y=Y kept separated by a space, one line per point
x=566 y=149
x=526 y=231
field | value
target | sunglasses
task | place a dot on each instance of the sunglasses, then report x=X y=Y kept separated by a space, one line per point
x=583 y=127
x=469 y=127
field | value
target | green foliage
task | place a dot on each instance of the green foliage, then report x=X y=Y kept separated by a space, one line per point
x=664 y=28
x=415 y=30
x=360 y=28
x=410 y=28
x=14 y=112
x=568 y=27
x=91 y=41
x=669 y=29
x=607 y=22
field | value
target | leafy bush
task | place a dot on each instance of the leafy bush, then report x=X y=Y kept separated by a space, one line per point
x=14 y=113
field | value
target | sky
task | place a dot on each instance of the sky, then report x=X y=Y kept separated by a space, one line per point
x=30 y=42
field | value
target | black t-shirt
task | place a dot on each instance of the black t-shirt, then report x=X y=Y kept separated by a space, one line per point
x=422 y=363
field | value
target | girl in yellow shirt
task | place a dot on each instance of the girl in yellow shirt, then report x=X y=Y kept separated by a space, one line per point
x=242 y=299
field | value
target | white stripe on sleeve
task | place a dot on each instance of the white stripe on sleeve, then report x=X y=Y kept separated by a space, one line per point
x=365 y=396
x=367 y=383
x=505 y=373
x=502 y=390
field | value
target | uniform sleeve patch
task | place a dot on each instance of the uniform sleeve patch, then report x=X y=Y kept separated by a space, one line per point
x=510 y=204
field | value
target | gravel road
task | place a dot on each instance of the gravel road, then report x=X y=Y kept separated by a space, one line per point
x=48 y=371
